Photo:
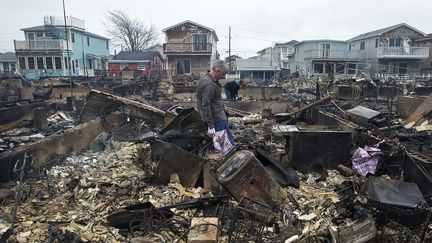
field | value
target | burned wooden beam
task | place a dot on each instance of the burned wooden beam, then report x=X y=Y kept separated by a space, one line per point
x=311 y=105
x=99 y=103
x=55 y=146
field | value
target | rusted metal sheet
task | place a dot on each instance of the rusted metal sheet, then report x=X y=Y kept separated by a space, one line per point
x=174 y=160
x=307 y=151
x=388 y=91
x=423 y=90
x=187 y=130
x=99 y=103
x=418 y=169
x=347 y=92
x=15 y=113
x=243 y=176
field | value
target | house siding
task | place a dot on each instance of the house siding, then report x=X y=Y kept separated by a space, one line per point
x=199 y=62
x=368 y=58
x=85 y=58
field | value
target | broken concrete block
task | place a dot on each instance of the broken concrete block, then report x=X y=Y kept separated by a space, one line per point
x=203 y=230
x=361 y=115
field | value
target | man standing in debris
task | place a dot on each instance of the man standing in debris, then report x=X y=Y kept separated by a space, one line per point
x=232 y=88
x=209 y=100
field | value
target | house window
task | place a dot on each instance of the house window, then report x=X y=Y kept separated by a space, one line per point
x=31 y=63
x=325 y=50
x=200 y=42
x=351 y=68
x=362 y=45
x=58 y=62
x=76 y=64
x=66 y=63
x=90 y=63
x=107 y=44
x=88 y=41
x=183 y=65
x=22 y=63
x=40 y=64
x=30 y=36
x=141 y=66
x=340 y=68
x=39 y=34
x=284 y=50
x=349 y=47
x=49 y=62
x=318 y=68
x=49 y=34
x=376 y=43
x=395 y=42
x=73 y=37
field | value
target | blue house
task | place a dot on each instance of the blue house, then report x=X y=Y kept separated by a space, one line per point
x=43 y=53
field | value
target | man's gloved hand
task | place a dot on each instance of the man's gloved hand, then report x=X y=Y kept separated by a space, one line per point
x=211 y=132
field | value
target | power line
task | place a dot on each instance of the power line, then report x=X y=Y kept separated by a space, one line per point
x=249 y=37
x=259 y=32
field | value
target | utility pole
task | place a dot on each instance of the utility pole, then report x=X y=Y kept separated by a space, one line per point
x=229 y=48
x=67 y=50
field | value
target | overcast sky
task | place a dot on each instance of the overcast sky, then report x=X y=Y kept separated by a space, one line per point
x=255 y=24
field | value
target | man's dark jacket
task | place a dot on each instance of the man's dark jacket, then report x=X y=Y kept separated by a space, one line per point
x=209 y=100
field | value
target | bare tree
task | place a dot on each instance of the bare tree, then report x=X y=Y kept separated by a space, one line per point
x=130 y=33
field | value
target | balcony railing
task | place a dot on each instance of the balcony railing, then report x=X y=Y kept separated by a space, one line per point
x=41 y=45
x=170 y=48
x=331 y=54
x=403 y=52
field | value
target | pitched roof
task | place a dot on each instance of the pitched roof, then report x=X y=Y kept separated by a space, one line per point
x=428 y=37
x=382 y=31
x=292 y=42
x=265 y=49
x=323 y=40
x=94 y=35
x=35 y=28
x=8 y=57
x=193 y=23
x=136 y=55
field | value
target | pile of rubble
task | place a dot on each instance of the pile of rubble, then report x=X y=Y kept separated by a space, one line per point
x=153 y=176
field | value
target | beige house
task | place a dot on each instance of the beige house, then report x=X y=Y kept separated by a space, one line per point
x=190 y=49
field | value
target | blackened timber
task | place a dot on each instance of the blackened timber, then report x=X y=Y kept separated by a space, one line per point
x=55 y=146
x=313 y=104
x=99 y=103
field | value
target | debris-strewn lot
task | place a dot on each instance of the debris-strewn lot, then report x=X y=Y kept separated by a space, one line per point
x=339 y=168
